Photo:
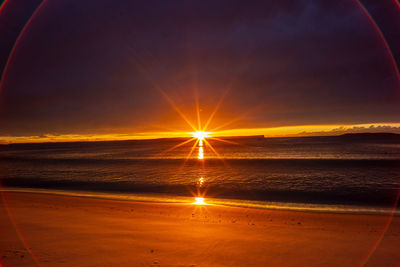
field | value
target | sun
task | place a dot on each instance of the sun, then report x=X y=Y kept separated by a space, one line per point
x=200 y=135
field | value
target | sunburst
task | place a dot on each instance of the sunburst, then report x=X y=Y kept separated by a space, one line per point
x=199 y=133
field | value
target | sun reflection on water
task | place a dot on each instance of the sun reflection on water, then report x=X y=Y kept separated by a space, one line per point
x=201 y=153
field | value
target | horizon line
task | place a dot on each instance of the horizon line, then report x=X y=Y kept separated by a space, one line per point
x=270 y=132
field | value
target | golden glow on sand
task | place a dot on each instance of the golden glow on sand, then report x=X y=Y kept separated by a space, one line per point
x=199 y=201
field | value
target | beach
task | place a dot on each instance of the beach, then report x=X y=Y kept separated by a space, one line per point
x=56 y=230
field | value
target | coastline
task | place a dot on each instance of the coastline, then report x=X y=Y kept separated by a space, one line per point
x=82 y=231
x=240 y=203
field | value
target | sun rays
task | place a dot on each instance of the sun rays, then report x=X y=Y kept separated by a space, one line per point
x=199 y=133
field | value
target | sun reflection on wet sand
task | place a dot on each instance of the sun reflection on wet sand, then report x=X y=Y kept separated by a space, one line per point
x=199 y=201
x=199 y=196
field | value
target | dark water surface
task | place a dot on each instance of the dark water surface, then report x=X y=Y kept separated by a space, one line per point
x=344 y=170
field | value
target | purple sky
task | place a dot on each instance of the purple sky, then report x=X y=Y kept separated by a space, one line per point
x=96 y=67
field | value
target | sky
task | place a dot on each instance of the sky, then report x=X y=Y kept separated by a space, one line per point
x=80 y=70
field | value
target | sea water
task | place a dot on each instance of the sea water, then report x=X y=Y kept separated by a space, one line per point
x=307 y=173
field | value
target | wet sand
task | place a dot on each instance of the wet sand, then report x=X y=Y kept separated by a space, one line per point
x=53 y=230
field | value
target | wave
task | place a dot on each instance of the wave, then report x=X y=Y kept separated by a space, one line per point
x=335 y=196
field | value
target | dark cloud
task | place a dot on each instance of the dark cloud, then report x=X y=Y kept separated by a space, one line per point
x=355 y=129
x=95 y=66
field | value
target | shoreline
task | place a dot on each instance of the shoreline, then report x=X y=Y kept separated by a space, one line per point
x=268 y=205
x=56 y=230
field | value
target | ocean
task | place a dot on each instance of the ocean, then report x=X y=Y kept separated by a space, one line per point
x=339 y=173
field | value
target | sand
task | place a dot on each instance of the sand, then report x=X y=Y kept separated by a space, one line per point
x=75 y=231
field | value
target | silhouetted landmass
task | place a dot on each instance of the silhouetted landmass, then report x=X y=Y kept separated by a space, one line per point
x=242 y=137
x=344 y=137
x=371 y=136
x=112 y=142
